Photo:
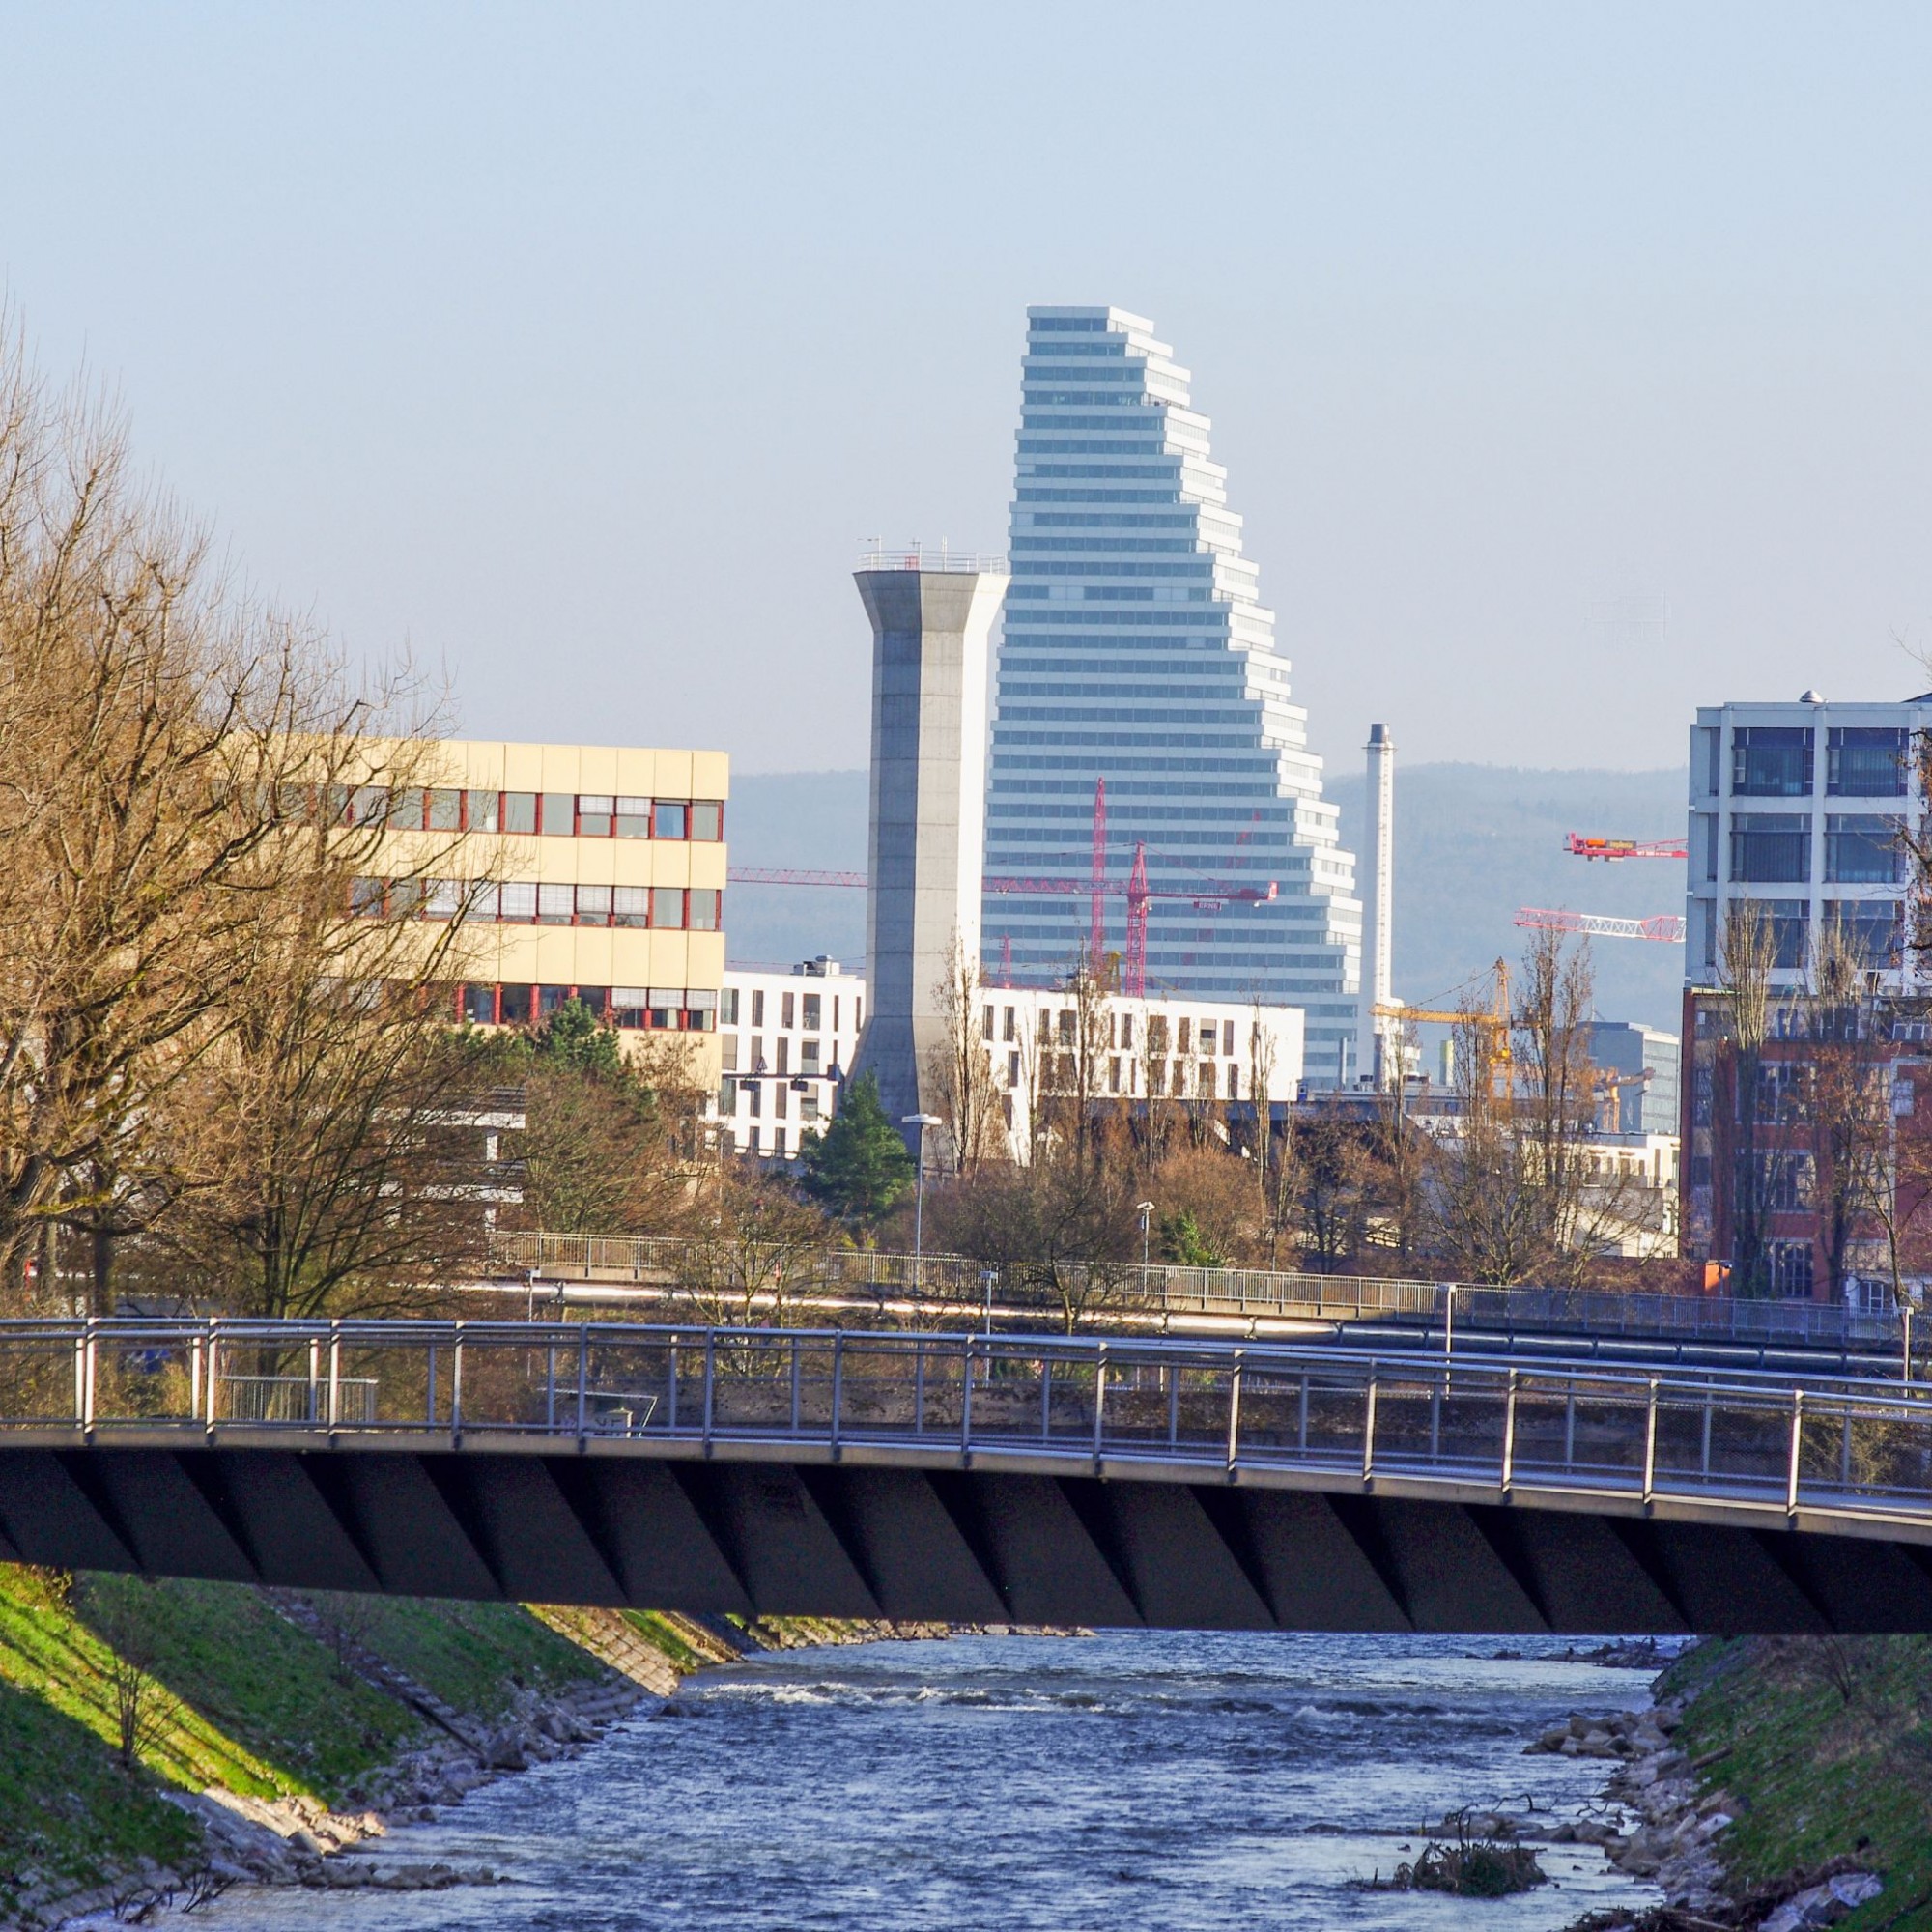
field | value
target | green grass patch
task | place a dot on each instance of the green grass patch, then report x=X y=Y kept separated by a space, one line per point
x=661 y=1637
x=476 y=1656
x=70 y=1816
x=1827 y=1741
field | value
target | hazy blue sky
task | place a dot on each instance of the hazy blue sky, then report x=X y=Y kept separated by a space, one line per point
x=579 y=345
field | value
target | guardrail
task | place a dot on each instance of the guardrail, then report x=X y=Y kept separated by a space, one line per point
x=725 y=1266
x=1833 y=1444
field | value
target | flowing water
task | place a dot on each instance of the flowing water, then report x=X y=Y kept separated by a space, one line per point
x=1161 y=1782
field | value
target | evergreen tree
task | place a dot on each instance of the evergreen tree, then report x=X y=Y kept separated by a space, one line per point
x=859 y=1166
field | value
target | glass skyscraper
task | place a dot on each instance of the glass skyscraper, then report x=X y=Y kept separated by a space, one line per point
x=1135 y=650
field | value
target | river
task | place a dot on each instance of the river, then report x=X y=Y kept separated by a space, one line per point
x=1163 y=1781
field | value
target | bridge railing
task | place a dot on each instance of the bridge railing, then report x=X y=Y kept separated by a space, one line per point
x=1205 y=1409
x=724 y=1269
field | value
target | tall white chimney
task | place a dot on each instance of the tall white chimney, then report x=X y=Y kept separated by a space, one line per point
x=1378 y=907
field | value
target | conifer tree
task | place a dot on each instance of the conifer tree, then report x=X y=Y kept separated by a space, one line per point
x=858 y=1167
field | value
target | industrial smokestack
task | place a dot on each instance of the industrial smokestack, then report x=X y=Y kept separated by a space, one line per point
x=1378 y=909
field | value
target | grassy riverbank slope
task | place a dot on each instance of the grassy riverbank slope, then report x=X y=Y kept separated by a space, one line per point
x=1827 y=1745
x=123 y=1702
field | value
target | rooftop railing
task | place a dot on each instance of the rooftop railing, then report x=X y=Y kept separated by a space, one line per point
x=917 y=555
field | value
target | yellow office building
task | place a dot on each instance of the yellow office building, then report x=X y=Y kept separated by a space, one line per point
x=603 y=878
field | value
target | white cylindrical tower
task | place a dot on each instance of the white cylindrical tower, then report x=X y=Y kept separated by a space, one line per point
x=1379 y=905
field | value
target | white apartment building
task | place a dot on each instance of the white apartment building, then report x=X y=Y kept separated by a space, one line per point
x=1166 y=1048
x=787 y=1040
x=1799 y=807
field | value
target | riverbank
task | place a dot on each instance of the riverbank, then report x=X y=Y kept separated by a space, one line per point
x=166 y=1738
x=1775 y=1784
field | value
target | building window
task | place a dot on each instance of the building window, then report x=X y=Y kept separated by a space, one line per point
x=1007 y=1030
x=1772 y=761
x=1156 y=1032
x=758 y=1054
x=1012 y=1072
x=1066 y=1033
x=558 y=815
x=1114 y=1074
x=704 y=904
x=1126 y=1031
x=784 y=1054
x=597 y=999
x=728 y=1006
x=727 y=1052
x=754 y=1131
x=781 y=1093
x=446 y=809
x=1791 y=1269
x=666 y=906
x=707 y=820
x=811 y=1010
x=1234 y=1081
x=515 y=1005
x=1863 y=762
x=808 y=1106
x=366 y=899
x=1180 y=1042
x=667 y=1005
x=1206 y=1081
x=1789 y=923
x=593 y=905
x=520 y=811
x=557 y=905
x=701 y=1010
x=1870 y=930
x=988 y=1026
x=808 y=1057
x=481 y=810
x=728 y=1095
x=756 y=1094
x=630 y=905
x=634 y=817
x=594 y=814
x=787 y=1009
x=1771 y=847
x=479 y=1004
x=1863 y=851
x=550 y=999
x=669 y=818
x=757 y=1005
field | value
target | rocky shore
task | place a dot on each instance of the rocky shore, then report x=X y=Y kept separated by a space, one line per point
x=295 y=1841
x=1662 y=1820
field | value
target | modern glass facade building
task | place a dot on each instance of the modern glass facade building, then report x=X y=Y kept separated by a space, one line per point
x=1136 y=650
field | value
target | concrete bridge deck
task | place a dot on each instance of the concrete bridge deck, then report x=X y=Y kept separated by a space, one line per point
x=1012 y=1477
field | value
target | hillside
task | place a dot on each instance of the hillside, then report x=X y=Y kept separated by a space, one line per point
x=1473 y=842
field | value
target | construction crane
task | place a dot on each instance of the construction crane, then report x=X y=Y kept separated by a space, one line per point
x=1492 y=1022
x=1608 y=1088
x=786 y=876
x=1665 y=926
x=1582 y=845
x=1209 y=896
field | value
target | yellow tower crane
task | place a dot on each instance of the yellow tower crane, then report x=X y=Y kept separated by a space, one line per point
x=1493 y=1022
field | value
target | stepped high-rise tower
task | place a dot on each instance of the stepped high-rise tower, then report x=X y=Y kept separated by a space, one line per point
x=1136 y=650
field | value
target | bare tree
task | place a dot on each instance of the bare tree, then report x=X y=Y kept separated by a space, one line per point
x=1752 y=1100
x=959 y=1066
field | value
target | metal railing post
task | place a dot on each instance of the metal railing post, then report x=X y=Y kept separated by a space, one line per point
x=1797 y=1443
x=1369 y=1429
x=89 y=1349
x=966 y=1401
x=710 y=1382
x=1704 y=1447
x=1570 y=1427
x=1301 y=1432
x=583 y=1385
x=794 y=1385
x=80 y=1377
x=1650 y=1442
x=456 y=1389
x=1099 y=1403
x=1509 y=1432
x=671 y=1379
x=919 y=1386
x=1234 y=1410
x=213 y=1374
x=1173 y=1374
x=314 y=1379
x=194 y=1379
x=838 y=1386
x=335 y=1376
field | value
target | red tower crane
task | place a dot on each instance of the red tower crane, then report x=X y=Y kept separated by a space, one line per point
x=1583 y=845
x=1096 y=942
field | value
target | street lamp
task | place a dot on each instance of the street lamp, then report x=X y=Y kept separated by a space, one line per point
x=921 y=1121
x=1448 y=1289
x=1144 y=1208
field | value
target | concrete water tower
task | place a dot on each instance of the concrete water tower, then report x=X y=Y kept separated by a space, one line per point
x=932 y=621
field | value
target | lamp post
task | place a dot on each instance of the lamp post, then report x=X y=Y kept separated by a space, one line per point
x=1144 y=1208
x=1448 y=1320
x=921 y=1121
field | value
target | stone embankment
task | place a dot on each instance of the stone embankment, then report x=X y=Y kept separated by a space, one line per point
x=1659 y=1821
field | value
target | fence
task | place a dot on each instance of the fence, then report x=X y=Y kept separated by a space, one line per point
x=744 y=1270
x=1830 y=1443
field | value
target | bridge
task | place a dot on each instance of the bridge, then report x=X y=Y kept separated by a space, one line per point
x=1113 y=1482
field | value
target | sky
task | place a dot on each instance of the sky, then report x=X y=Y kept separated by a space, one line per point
x=1569 y=362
